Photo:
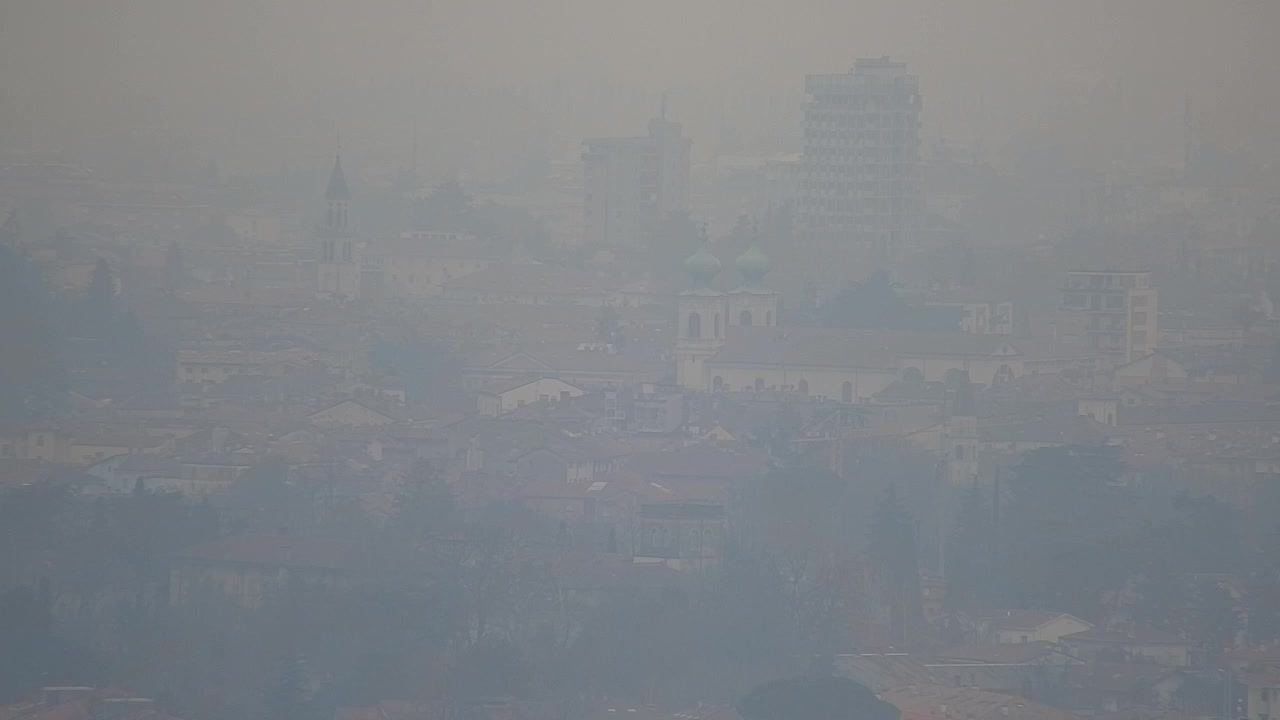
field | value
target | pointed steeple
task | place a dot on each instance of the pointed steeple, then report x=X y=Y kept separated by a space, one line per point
x=336 y=198
x=337 y=188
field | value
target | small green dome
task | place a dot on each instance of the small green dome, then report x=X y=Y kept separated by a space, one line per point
x=702 y=263
x=753 y=261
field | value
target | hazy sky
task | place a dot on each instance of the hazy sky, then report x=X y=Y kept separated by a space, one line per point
x=254 y=73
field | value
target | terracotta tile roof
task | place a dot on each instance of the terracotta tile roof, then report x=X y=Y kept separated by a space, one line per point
x=1137 y=636
x=1020 y=619
x=999 y=654
x=935 y=702
x=700 y=461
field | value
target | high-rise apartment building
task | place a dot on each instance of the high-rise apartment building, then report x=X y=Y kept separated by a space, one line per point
x=860 y=176
x=630 y=185
x=1112 y=311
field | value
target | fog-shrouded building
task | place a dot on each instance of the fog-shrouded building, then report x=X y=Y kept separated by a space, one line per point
x=1113 y=311
x=632 y=184
x=859 y=182
x=338 y=270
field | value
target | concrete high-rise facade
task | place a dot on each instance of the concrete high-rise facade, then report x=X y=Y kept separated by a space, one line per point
x=1112 y=311
x=630 y=185
x=859 y=182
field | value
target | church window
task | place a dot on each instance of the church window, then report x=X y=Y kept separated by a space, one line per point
x=695 y=325
x=745 y=318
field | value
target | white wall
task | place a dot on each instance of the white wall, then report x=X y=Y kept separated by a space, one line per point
x=1051 y=632
x=822 y=382
x=544 y=389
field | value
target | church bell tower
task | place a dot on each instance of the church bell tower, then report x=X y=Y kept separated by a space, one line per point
x=338 y=271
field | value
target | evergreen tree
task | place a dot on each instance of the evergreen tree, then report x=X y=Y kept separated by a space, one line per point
x=426 y=503
x=893 y=545
x=99 y=312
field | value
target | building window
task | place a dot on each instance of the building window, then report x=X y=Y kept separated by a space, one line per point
x=960 y=456
x=768 y=318
x=717 y=383
x=745 y=318
x=803 y=387
x=716 y=326
x=759 y=384
x=846 y=392
x=1003 y=374
x=695 y=325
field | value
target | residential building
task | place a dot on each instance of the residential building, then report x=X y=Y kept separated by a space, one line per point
x=253 y=567
x=587 y=365
x=419 y=264
x=1264 y=695
x=1005 y=667
x=632 y=184
x=211 y=367
x=1114 y=312
x=29 y=443
x=354 y=413
x=503 y=396
x=1139 y=644
x=860 y=180
x=978 y=315
x=685 y=536
x=851 y=365
x=655 y=409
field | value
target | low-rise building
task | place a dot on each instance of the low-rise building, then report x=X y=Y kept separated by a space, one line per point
x=1026 y=626
x=1141 y=644
x=503 y=396
x=252 y=568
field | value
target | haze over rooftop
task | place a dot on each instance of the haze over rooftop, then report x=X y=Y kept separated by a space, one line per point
x=243 y=77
